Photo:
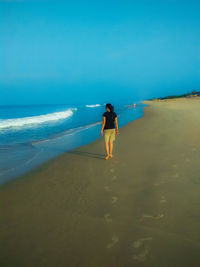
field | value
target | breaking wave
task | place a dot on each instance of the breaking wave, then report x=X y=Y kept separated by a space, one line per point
x=93 y=106
x=19 y=122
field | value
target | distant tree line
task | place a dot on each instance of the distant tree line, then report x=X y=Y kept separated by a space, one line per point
x=191 y=94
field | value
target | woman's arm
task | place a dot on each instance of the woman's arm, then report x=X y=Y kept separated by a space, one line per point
x=116 y=124
x=103 y=125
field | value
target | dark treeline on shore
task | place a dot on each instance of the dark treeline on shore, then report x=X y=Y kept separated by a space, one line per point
x=191 y=94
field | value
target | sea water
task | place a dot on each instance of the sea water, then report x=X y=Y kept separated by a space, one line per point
x=33 y=134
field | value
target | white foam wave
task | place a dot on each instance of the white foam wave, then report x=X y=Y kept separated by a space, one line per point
x=93 y=106
x=19 y=122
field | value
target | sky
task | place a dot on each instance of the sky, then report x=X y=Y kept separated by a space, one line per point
x=97 y=51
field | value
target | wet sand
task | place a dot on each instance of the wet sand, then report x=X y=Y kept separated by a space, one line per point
x=141 y=208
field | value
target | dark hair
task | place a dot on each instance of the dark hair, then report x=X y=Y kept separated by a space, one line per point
x=110 y=107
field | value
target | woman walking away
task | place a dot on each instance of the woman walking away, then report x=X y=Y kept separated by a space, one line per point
x=108 y=128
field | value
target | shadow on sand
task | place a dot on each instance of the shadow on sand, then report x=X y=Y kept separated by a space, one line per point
x=88 y=154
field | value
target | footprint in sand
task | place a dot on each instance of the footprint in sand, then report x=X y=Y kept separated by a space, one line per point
x=114 y=178
x=115 y=239
x=114 y=200
x=107 y=188
x=149 y=216
x=174 y=166
x=187 y=160
x=194 y=149
x=141 y=243
x=108 y=218
x=112 y=170
x=141 y=257
x=163 y=200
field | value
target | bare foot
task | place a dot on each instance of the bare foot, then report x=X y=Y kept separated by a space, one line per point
x=111 y=155
x=107 y=157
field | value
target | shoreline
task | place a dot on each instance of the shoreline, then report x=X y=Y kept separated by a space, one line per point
x=140 y=208
x=30 y=156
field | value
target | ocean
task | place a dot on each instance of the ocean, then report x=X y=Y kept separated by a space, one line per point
x=33 y=134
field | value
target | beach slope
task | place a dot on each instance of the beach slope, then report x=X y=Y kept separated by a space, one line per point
x=140 y=208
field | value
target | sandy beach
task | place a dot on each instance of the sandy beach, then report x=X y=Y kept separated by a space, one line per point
x=141 y=208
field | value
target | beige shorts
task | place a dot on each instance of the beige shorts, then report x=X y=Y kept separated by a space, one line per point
x=109 y=135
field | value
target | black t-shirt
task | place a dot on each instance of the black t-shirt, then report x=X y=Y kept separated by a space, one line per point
x=110 y=120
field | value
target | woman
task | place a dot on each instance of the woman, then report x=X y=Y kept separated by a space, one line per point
x=108 y=128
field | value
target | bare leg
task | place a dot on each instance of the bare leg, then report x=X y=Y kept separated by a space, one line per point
x=111 y=148
x=107 y=150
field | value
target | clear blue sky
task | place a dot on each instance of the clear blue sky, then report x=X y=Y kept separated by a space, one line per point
x=96 y=51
